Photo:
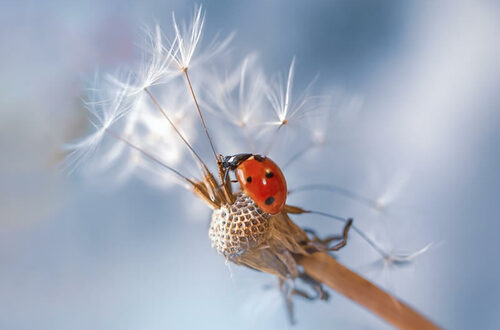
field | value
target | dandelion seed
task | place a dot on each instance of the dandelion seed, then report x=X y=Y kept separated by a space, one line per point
x=103 y=115
x=238 y=97
x=290 y=111
x=392 y=191
x=287 y=109
x=393 y=260
x=156 y=66
x=187 y=37
x=405 y=258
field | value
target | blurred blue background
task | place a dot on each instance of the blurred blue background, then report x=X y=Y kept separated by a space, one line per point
x=76 y=253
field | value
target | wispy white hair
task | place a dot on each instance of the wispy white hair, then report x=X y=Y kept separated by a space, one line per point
x=187 y=38
x=287 y=108
x=106 y=107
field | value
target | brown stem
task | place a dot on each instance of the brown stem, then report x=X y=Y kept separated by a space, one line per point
x=185 y=70
x=224 y=185
x=160 y=108
x=325 y=269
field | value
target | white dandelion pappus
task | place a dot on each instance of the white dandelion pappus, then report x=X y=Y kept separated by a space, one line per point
x=156 y=65
x=104 y=111
x=187 y=37
x=237 y=98
x=157 y=61
x=335 y=108
x=396 y=184
x=287 y=109
x=156 y=70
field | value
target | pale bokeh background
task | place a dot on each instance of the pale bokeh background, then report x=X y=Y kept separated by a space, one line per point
x=76 y=253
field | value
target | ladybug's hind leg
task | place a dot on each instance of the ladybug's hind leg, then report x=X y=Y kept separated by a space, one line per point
x=288 y=291
x=286 y=288
x=316 y=286
x=324 y=244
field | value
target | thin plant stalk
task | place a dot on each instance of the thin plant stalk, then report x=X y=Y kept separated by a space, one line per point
x=325 y=269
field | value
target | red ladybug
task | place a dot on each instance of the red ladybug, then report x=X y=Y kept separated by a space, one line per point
x=260 y=178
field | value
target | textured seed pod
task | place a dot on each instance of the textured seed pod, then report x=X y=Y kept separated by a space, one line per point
x=236 y=228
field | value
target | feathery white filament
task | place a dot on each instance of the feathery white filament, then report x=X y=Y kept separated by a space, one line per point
x=104 y=115
x=187 y=38
x=238 y=96
x=285 y=107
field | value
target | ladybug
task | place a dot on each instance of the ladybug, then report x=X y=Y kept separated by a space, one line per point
x=260 y=178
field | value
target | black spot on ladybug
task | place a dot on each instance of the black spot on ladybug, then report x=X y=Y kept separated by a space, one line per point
x=249 y=179
x=269 y=200
x=269 y=174
x=258 y=158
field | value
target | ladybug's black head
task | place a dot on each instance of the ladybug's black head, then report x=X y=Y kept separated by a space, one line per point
x=232 y=162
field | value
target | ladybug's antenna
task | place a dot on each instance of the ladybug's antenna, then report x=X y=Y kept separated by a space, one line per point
x=185 y=70
x=163 y=112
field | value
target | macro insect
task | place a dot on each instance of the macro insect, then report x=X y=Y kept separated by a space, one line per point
x=250 y=225
x=260 y=178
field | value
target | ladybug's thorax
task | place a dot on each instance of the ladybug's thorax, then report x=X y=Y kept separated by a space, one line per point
x=262 y=180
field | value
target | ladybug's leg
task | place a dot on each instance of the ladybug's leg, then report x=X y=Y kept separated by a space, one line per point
x=286 y=292
x=315 y=285
x=303 y=294
x=294 y=209
x=342 y=243
x=325 y=241
x=315 y=237
x=322 y=244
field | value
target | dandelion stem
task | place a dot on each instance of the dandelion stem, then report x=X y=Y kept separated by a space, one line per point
x=325 y=269
x=160 y=108
x=225 y=184
x=298 y=155
x=185 y=70
x=273 y=138
x=148 y=155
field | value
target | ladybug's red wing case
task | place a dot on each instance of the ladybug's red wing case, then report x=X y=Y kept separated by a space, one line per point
x=262 y=180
